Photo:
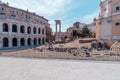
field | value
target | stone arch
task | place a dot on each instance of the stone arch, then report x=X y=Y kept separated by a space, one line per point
x=22 y=42
x=5 y=27
x=43 y=40
x=43 y=31
x=39 y=31
x=39 y=41
x=35 y=41
x=29 y=41
x=14 y=42
x=22 y=29
x=14 y=28
x=29 y=30
x=5 y=42
x=34 y=30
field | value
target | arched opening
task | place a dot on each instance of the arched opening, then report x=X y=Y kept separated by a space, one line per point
x=47 y=40
x=22 y=42
x=29 y=30
x=22 y=29
x=29 y=41
x=5 y=27
x=14 y=28
x=39 y=41
x=39 y=31
x=43 y=31
x=35 y=41
x=34 y=30
x=5 y=42
x=14 y=42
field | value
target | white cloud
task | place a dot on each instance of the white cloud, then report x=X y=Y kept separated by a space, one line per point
x=41 y=7
x=89 y=18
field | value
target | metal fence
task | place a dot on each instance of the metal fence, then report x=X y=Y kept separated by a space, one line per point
x=65 y=53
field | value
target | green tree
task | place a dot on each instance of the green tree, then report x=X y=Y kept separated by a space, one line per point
x=85 y=31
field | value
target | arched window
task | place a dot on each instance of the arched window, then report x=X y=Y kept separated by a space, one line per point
x=39 y=41
x=14 y=28
x=34 y=30
x=5 y=27
x=117 y=8
x=39 y=31
x=14 y=42
x=5 y=42
x=43 y=31
x=29 y=30
x=22 y=42
x=22 y=29
x=29 y=41
x=35 y=41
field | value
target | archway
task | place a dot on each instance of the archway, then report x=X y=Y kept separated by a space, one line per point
x=14 y=28
x=29 y=41
x=5 y=27
x=39 y=41
x=35 y=41
x=43 y=31
x=5 y=42
x=22 y=29
x=29 y=30
x=34 y=30
x=22 y=42
x=14 y=42
x=39 y=31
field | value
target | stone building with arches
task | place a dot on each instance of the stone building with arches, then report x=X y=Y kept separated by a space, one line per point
x=21 y=28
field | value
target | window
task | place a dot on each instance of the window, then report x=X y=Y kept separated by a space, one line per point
x=17 y=12
x=34 y=30
x=14 y=42
x=117 y=24
x=2 y=15
x=3 y=9
x=12 y=12
x=43 y=31
x=13 y=17
x=5 y=27
x=39 y=31
x=29 y=30
x=22 y=29
x=5 y=42
x=14 y=28
x=117 y=8
x=23 y=19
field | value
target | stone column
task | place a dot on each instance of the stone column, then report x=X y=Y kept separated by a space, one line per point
x=26 y=42
x=60 y=27
x=1 y=43
x=1 y=28
x=32 y=40
x=56 y=27
x=10 y=28
x=18 y=42
x=10 y=42
x=18 y=28
x=26 y=29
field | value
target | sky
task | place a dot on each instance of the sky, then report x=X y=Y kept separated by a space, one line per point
x=68 y=11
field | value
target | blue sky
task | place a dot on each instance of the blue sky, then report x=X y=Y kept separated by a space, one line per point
x=68 y=11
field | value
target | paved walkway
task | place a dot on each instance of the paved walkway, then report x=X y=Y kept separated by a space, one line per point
x=33 y=69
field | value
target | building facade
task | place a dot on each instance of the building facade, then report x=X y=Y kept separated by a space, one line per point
x=21 y=28
x=108 y=24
